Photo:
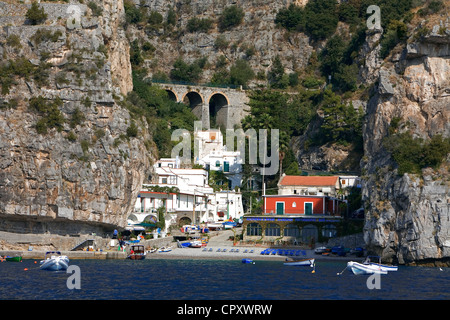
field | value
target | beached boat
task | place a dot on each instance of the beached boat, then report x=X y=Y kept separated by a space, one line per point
x=320 y=250
x=13 y=259
x=137 y=252
x=301 y=262
x=196 y=244
x=214 y=226
x=164 y=249
x=54 y=261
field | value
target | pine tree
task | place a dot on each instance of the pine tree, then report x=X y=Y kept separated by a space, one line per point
x=35 y=14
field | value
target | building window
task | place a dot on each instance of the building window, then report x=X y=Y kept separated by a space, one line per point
x=329 y=231
x=172 y=180
x=291 y=230
x=254 y=229
x=273 y=230
x=164 y=180
x=294 y=205
x=309 y=233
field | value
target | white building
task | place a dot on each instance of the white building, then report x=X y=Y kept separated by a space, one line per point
x=213 y=155
x=186 y=197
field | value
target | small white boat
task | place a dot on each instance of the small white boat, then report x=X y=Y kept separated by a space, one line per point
x=320 y=250
x=164 y=249
x=55 y=262
x=196 y=244
x=359 y=268
x=384 y=267
x=214 y=226
x=301 y=262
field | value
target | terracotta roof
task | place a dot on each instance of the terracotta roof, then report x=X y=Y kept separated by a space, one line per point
x=309 y=180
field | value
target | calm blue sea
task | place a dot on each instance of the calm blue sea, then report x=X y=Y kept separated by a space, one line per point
x=216 y=280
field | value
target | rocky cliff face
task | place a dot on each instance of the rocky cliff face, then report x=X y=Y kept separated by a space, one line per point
x=78 y=163
x=256 y=34
x=408 y=216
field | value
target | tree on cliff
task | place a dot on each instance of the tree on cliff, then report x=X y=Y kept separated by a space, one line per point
x=35 y=14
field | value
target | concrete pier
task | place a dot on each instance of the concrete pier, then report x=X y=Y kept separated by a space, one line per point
x=72 y=255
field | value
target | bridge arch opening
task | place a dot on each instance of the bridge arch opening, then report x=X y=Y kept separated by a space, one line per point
x=217 y=112
x=172 y=96
x=195 y=101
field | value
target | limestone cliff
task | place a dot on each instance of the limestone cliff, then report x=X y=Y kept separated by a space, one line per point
x=77 y=162
x=257 y=39
x=408 y=216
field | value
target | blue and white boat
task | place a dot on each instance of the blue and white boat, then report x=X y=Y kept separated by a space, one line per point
x=55 y=261
x=388 y=268
x=369 y=267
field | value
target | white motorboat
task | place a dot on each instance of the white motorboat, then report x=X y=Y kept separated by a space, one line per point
x=165 y=249
x=383 y=267
x=54 y=261
x=301 y=262
x=359 y=268
x=196 y=244
x=320 y=250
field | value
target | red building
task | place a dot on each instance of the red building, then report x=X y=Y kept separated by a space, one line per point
x=301 y=205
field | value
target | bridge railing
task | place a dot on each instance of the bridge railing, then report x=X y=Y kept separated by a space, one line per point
x=186 y=83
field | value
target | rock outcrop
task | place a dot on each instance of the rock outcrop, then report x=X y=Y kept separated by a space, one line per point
x=83 y=173
x=408 y=216
x=257 y=39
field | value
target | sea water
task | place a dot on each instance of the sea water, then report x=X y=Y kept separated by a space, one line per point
x=154 y=279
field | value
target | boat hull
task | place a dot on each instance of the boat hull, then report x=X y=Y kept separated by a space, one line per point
x=55 y=264
x=136 y=257
x=303 y=262
x=358 y=268
x=385 y=267
x=14 y=259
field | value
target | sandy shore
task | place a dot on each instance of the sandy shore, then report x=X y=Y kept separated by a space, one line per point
x=238 y=253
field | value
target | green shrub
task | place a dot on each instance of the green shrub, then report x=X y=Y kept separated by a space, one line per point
x=199 y=25
x=71 y=136
x=241 y=73
x=132 y=14
x=396 y=33
x=413 y=154
x=77 y=118
x=231 y=17
x=96 y=10
x=221 y=43
x=321 y=18
x=44 y=35
x=155 y=18
x=132 y=130
x=291 y=18
x=276 y=75
x=13 y=41
x=311 y=82
x=51 y=116
x=35 y=14
x=171 y=17
x=186 y=72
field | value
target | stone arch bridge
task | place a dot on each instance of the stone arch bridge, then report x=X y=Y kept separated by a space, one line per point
x=216 y=107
